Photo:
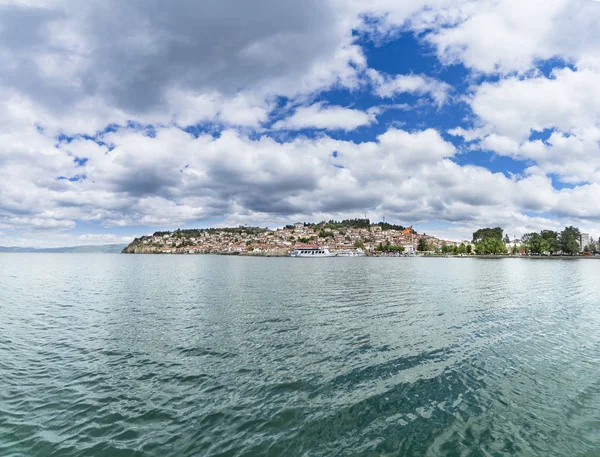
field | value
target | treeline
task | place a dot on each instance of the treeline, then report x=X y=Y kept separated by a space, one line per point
x=194 y=233
x=461 y=249
x=358 y=223
x=388 y=247
x=387 y=226
x=566 y=242
x=335 y=225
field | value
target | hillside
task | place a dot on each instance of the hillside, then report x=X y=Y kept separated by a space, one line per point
x=336 y=235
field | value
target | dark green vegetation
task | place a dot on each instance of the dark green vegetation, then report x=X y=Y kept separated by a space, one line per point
x=388 y=247
x=358 y=244
x=489 y=241
x=567 y=242
x=422 y=245
x=545 y=241
x=461 y=249
x=336 y=225
x=195 y=233
x=350 y=223
x=325 y=234
x=386 y=226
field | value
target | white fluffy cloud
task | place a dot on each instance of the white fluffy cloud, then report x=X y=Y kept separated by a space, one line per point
x=565 y=106
x=569 y=101
x=174 y=178
x=494 y=36
x=387 y=86
x=501 y=36
x=327 y=117
x=72 y=68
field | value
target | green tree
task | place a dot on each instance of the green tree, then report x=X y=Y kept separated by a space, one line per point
x=491 y=246
x=388 y=247
x=568 y=240
x=422 y=245
x=536 y=243
x=325 y=234
x=506 y=239
x=358 y=244
x=489 y=241
x=387 y=226
x=396 y=248
x=462 y=249
x=484 y=233
x=551 y=238
x=469 y=249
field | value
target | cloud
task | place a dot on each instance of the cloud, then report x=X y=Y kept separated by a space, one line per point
x=563 y=110
x=133 y=59
x=386 y=86
x=327 y=117
x=94 y=96
x=568 y=100
x=492 y=36
x=501 y=36
x=174 y=178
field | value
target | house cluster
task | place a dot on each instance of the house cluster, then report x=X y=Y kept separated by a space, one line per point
x=262 y=241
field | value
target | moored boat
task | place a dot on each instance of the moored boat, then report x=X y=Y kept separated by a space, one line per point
x=350 y=253
x=311 y=252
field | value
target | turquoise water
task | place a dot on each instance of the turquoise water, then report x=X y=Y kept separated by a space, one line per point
x=113 y=355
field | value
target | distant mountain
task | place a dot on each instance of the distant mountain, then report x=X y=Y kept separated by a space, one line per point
x=99 y=249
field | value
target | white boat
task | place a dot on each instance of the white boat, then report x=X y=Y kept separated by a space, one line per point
x=351 y=253
x=312 y=252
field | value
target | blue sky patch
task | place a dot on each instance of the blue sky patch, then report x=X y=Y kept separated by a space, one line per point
x=75 y=178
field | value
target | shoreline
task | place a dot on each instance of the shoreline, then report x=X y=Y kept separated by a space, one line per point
x=496 y=257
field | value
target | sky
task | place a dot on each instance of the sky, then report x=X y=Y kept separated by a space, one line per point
x=122 y=117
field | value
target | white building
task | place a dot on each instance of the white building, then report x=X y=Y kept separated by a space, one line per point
x=586 y=240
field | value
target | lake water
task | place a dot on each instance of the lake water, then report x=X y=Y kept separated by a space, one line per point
x=114 y=355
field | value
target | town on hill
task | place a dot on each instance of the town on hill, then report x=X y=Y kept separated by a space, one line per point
x=373 y=238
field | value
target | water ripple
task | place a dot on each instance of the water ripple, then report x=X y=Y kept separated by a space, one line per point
x=223 y=356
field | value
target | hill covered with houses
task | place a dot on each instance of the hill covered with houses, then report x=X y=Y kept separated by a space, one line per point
x=243 y=240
